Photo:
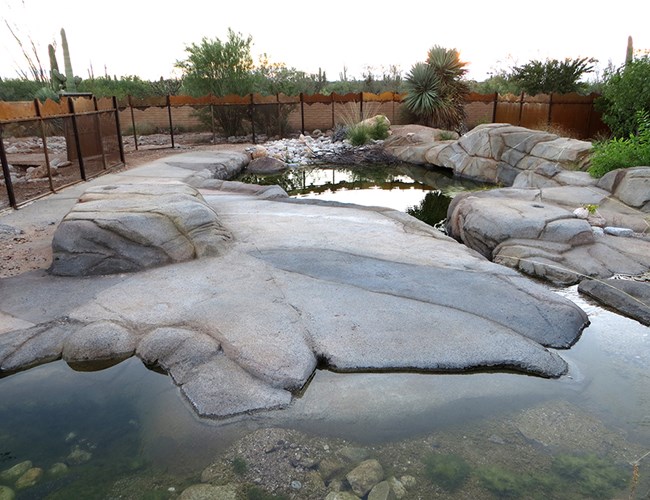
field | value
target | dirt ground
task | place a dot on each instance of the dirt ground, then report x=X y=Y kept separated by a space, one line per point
x=31 y=249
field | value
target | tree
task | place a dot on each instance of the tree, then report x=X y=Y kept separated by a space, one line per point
x=221 y=68
x=436 y=90
x=544 y=77
x=625 y=93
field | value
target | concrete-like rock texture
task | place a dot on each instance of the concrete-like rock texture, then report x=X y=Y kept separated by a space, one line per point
x=628 y=297
x=127 y=228
x=301 y=286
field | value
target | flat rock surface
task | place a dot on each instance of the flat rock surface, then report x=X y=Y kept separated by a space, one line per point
x=300 y=286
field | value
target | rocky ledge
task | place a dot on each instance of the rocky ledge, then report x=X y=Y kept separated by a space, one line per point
x=554 y=221
x=302 y=286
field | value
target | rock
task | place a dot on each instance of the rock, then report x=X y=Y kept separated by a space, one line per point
x=11 y=474
x=619 y=231
x=258 y=151
x=102 y=340
x=266 y=166
x=374 y=120
x=29 y=478
x=57 y=469
x=353 y=454
x=216 y=164
x=630 y=185
x=365 y=476
x=341 y=495
x=411 y=143
x=78 y=456
x=382 y=491
x=408 y=481
x=330 y=467
x=398 y=487
x=127 y=228
x=628 y=297
x=7 y=493
x=210 y=492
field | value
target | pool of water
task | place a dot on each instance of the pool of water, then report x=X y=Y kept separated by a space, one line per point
x=126 y=431
x=423 y=193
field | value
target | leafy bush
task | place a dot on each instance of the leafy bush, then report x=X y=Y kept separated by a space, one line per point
x=358 y=135
x=362 y=133
x=616 y=153
x=544 y=77
x=624 y=92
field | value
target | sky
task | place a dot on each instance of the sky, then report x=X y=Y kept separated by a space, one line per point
x=122 y=38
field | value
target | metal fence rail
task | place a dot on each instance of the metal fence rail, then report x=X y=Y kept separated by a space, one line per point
x=75 y=139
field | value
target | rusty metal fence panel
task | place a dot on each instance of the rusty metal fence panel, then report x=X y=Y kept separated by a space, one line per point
x=46 y=146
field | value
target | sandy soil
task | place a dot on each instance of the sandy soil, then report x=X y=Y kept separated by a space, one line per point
x=31 y=249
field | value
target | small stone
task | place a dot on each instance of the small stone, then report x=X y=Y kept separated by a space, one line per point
x=366 y=475
x=70 y=436
x=619 y=231
x=13 y=473
x=382 y=491
x=408 y=481
x=296 y=485
x=209 y=492
x=6 y=493
x=341 y=495
x=496 y=439
x=354 y=455
x=57 y=469
x=78 y=456
x=397 y=487
x=29 y=478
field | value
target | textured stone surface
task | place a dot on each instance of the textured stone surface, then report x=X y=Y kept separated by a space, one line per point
x=354 y=289
x=266 y=165
x=628 y=297
x=127 y=228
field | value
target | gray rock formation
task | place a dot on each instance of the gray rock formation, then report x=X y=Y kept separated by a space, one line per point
x=130 y=227
x=353 y=289
x=266 y=165
x=536 y=232
x=628 y=297
x=629 y=185
x=496 y=153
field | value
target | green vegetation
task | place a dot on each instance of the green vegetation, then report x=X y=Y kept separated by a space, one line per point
x=592 y=476
x=625 y=92
x=447 y=470
x=239 y=466
x=627 y=152
x=544 y=77
x=436 y=90
x=363 y=132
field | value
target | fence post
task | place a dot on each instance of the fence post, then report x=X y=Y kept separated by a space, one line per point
x=37 y=107
x=5 y=171
x=302 y=114
x=279 y=116
x=118 y=130
x=75 y=131
x=98 y=128
x=214 y=134
x=252 y=115
x=361 y=105
x=494 y=109
x=171 y=124
x=550 y=109
x=135 y=134
x=521 y=108
x=333 y=119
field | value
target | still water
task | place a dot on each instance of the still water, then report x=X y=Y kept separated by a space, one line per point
x=126 y=432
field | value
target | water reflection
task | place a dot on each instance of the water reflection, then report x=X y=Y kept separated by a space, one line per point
x=421 y=192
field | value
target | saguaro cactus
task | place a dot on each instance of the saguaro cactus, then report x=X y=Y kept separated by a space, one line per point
x=56 y=78
x=629 y=55
x=70 y=84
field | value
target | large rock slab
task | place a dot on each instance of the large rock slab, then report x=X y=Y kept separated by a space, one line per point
x=537 y=232
x=130 y=227
x=302 y=286
x=629 y=185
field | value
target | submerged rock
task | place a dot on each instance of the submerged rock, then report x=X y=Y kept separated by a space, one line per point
x=29 y=478
x=365 y=476
x=13 y=473
x=6 y=493
x=628 y=297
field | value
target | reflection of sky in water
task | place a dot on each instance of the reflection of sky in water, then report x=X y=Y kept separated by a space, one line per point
x=398 y=199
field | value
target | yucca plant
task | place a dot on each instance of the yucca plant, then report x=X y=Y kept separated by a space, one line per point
x=436 y=91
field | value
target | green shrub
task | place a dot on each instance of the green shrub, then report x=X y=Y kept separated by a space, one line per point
x=378 y=131
x=239 y=466
x=616 y=153
x=447 y=470
x=594 y=477
x=358 y=135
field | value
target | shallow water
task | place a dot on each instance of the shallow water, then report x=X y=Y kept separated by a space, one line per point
x=519 y=436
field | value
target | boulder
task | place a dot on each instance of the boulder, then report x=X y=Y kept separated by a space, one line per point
x=628 y=297
x=365 y=476
x=130 y=227
x=382 y=491
x=11 y=474
x=266 y=165
x=629 y=185
x=29 y=478
x=7 y=493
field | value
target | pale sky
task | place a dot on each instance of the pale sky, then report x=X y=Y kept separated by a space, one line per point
x=147 y=38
